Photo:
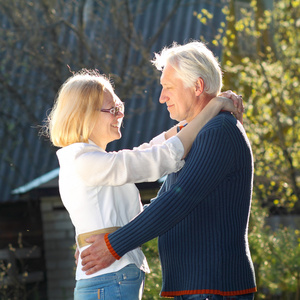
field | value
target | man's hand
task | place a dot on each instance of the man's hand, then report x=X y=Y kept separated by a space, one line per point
x=237 y=101
x=97 y=256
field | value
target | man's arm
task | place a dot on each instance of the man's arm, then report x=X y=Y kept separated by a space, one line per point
x=208 y=163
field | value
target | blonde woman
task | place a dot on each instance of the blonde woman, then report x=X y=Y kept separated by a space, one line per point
x=97 y=187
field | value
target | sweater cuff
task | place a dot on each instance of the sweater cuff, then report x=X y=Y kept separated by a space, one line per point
x=110 y=248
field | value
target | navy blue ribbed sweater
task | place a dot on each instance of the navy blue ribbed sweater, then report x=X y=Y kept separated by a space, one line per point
x=201 y=216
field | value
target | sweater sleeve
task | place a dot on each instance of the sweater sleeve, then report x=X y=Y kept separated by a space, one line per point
x=210 y=160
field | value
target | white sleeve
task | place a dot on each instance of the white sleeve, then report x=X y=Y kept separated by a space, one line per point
x=158 y=140
x=129 y=166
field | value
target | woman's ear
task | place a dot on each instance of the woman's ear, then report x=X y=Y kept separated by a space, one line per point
x=199 y=87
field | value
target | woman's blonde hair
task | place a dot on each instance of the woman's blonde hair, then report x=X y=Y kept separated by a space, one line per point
x=74 y=113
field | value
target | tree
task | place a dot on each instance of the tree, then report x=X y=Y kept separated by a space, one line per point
x=42 y=38
x=261 y=62
x=42 y=42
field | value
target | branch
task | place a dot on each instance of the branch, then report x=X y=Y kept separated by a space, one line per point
x=16 y=96
x=81 y=38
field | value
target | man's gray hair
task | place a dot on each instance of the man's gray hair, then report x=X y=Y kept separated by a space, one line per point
x=191 y=61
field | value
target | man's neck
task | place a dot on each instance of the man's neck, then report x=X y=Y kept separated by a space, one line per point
x=202 y=102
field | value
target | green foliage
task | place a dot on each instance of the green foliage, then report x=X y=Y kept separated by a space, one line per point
x=13 y=274
x=153 y=280
x=276 y=257
x=261 y=61
x=280 y=270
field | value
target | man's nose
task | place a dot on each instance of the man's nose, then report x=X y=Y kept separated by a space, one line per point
x=163 y=98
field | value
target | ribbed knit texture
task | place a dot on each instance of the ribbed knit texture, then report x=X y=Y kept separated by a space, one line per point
x=201 y=216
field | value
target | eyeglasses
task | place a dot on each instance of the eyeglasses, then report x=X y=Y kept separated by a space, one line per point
x=114 y=110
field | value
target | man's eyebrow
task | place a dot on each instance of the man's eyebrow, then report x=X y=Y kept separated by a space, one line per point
x=165 y=83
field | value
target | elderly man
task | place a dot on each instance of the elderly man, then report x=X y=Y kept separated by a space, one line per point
x=201 y=213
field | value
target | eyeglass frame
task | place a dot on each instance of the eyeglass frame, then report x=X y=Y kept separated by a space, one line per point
x=114 y=110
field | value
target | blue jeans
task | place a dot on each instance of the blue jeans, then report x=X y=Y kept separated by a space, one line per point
x=215 y=297
x=126 y=284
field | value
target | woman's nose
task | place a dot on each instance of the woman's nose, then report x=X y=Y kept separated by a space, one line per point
x=120 y=114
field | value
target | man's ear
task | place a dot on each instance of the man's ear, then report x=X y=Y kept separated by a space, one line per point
x=199 y=87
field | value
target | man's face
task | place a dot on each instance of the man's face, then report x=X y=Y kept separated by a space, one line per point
x=181 y=101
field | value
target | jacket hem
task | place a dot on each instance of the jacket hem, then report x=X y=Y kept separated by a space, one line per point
x=207 y=291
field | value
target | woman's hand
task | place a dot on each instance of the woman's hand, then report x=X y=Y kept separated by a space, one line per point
x=233 y=103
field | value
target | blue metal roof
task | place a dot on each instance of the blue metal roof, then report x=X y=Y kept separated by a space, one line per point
x=32 y=156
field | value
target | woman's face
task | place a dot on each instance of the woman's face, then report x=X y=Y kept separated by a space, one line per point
x=108 y=125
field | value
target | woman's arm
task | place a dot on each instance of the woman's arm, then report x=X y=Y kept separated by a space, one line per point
x=237 y=108
x=97 y=167
x=235 y=105
x=188 y=134
x=125 y=166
